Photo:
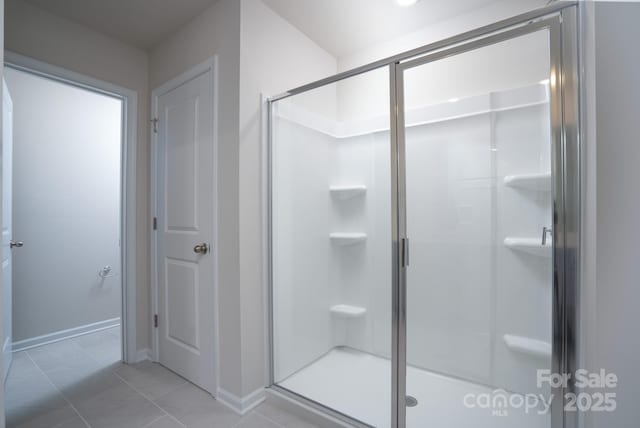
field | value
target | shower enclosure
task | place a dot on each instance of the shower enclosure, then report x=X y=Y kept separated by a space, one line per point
x=424 y=232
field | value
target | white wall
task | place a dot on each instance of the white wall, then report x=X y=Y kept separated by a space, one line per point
x=487 y=14
x=38 y=34
x=66 y=202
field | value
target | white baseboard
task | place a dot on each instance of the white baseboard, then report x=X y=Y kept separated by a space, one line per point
x=64 y=334
x=143 y=355
x=241 y=405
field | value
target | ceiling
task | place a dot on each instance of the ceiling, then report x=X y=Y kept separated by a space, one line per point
x=345 y=26
x=141 y=23
x=340 y=27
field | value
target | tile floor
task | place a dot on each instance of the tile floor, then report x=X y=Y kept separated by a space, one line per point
x=81 y=382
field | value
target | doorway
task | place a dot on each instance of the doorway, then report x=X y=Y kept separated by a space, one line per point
x=69 y=244
x=422 y=234
x=67 y=273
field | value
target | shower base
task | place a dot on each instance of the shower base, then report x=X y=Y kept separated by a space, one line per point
x=358 y=384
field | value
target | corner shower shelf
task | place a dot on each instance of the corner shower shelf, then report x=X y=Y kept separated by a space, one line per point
x=347 y=311
x=347 y=192
x=527 y=345
x=540 y=181
x=529 y=245
x=347 y=238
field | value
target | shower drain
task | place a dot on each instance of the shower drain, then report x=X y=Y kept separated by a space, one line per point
x=411 y=401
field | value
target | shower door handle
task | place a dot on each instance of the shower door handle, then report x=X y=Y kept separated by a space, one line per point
x=404 y=248
x=546 y=230
x=17 y=244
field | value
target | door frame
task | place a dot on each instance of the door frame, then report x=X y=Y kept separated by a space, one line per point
x=562 y=22
x=128 y=183
x=210 y=64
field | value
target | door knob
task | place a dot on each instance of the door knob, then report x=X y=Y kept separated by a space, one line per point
x=201 y=249
x=13 y=243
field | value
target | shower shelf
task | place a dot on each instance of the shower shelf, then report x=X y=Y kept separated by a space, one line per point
x=347 y=192
x=527 y=345
x=347 y=311
x=529 y=245
x=347 y=238
x=540 y=181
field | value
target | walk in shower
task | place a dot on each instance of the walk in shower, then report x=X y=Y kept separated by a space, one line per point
x=423 y=232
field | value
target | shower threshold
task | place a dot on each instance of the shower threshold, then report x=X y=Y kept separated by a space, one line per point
x=358 y=384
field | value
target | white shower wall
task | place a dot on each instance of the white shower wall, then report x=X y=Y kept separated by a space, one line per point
x=471 y=291
x=449 y=217
x=466 y=289
x=301 y=156
x=361 y=272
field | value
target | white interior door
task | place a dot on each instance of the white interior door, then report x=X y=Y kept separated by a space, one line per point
x=7 y=230
x=185 y=230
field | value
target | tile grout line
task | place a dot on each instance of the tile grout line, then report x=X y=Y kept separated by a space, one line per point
x=150 y=399
x=260 y=415
x=185 y=382
x=86 y=353
x=64 y=397
x=115 y=373
x=154 y=421
x=269 y=419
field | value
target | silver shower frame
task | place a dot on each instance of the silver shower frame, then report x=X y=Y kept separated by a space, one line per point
x=561 y=20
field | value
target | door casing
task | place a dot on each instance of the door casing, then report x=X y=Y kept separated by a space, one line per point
x=128 y=210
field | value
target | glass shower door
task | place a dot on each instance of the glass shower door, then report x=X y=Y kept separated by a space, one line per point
x=330 y=245
x=478 y=183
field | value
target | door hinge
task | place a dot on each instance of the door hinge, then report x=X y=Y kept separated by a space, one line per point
x=155 y=124
x=155 y=321
x=155 y=223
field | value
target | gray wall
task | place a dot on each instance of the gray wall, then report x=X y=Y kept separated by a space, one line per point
x=66 y=205
x=611 y=203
